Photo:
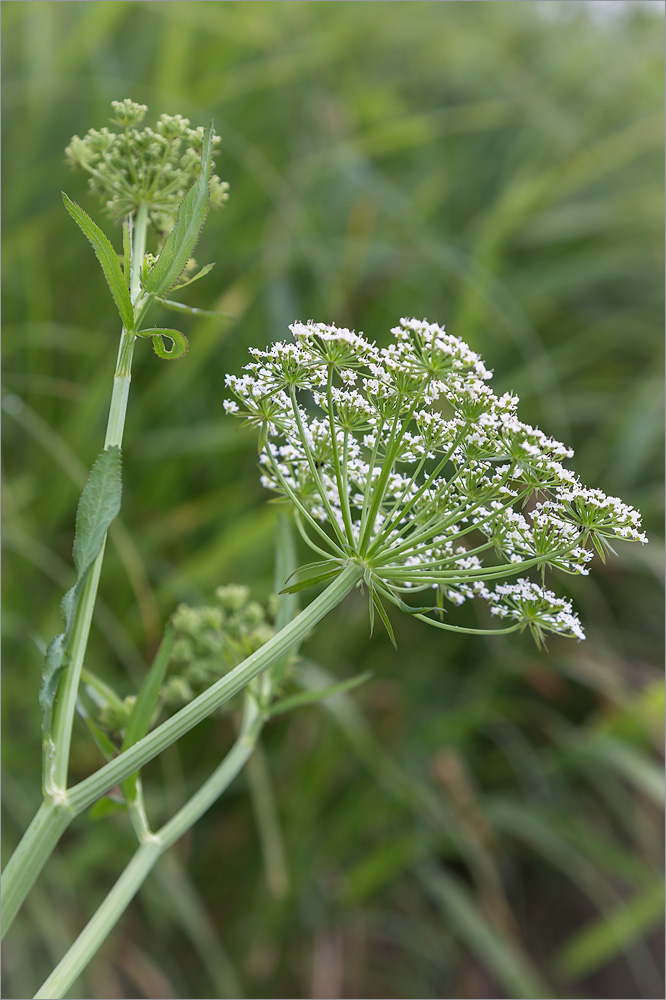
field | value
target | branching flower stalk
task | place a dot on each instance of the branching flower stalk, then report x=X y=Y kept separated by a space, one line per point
x=405 y=474
x=128 y=170
x=403 y=460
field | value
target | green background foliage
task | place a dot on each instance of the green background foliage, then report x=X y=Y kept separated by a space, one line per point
x=480 y=819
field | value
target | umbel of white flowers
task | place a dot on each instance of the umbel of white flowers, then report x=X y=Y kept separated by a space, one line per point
x=404 y=460
x=155 y=167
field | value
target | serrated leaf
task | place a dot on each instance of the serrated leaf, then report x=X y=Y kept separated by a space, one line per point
x=319 y=694
x=178 y=340
x=98 y=505
x=182 y=239
x=108 y=259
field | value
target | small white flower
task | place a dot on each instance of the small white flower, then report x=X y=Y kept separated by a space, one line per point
x=355 y=437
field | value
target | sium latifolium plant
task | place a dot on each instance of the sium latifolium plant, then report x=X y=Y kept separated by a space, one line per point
x=405 y=475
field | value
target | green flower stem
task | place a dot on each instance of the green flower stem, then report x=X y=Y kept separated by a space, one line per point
x=392 y=449
x=55 y=813
x=342 y=490
x=74 y=800
x=344 y=544
x=87 y=791
x=275 y=465
x=34 y=849
x=56 y=780
x=104 y=920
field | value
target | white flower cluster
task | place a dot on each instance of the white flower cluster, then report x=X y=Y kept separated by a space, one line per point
x=403 y=459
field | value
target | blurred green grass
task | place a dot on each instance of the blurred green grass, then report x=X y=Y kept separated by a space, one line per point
x=479 y=820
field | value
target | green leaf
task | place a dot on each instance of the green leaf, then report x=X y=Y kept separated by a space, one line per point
x=182 y=239
x=310 y=697
x=99 y=504
x=178 y=340
x=180 y=307
x=308 y=567
x=399 y=603
x=108 y=259
x=100 y=738
x=144 y=706
x=109 y=805
x=310 y=582
x=381 y=611
x=206 y=269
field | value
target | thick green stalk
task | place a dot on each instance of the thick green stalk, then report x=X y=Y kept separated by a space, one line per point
x=87 y=791
x=102 y=923
x=131 y=880
x=55 y=813
x=34 y=849
x=55 y=781
x=80 y=796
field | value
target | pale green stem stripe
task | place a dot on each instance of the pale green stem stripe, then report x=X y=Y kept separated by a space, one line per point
x=104 y=920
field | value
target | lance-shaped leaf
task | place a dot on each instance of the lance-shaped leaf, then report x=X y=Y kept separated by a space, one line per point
x=99 y=504
x=145 y=705
x=178 y=340
x=206 y=269
x=310 y=582
x=108 y=259
x=180 y=307
x=310 y=697
x=182 y=239
x=146 y=702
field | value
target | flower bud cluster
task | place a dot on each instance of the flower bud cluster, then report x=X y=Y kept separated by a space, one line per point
x=151 y=166
x=403 y=459
x=210 y=641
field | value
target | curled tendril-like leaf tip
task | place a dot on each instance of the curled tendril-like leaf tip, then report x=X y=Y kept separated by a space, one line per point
x=178 y=341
